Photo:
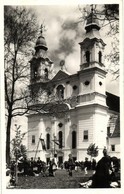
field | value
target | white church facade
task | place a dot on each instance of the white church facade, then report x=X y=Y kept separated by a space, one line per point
x=77 y=103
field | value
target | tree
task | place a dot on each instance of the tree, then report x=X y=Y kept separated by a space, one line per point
x=108 y=16
x=18 y=149
x=20 y=32
x=20 y=29
x=92 y=150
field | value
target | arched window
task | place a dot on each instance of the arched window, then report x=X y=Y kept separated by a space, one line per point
x=100 y=56
x=74 y=139
x=60 y=139
x=35 y=72
x=48 y=141
x=87 y=56
x=60 y=92
x=46 y=73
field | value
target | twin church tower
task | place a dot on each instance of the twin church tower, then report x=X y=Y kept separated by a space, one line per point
x=70 y=110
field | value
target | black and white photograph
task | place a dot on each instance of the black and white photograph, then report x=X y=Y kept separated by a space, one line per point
x=61 y=96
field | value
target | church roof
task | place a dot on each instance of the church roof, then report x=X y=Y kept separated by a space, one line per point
x=116 y=132
x=61 y=75
x=114 y=126
x=113 y=102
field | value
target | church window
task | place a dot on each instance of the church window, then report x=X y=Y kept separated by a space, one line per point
x=60 y=139
x=100 y=83
x=85 y=135
x=112 y=148
x=60 y=92
x=46 y=73
x=75 y=87
x=87 y=56
x=100 y=56
x=86 y=83
x=74 y=139
x=33 y=139
x=60 y=125
x=48 y=141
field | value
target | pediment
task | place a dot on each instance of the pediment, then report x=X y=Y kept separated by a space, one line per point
x=60 y=75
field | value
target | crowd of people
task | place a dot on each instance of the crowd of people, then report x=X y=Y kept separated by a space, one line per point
x=80 y=165
x=104 y=170
x=33 y=167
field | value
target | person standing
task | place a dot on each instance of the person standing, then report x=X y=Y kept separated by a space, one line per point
x=50 y=168
x=54 y=167
x=39 y=163
x=70 y=165
x=32 y=163
x=86 y=165
x=93 y=164
x=102 y=176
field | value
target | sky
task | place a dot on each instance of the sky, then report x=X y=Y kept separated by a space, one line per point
x=63 y=32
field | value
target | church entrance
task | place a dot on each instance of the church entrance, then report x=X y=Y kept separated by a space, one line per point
x=60 y=161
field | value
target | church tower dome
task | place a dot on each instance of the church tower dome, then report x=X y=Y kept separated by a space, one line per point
x=92 y=22
x=41 y=43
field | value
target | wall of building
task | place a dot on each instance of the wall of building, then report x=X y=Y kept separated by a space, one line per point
x=116 y=142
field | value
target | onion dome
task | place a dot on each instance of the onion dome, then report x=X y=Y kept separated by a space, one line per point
x=92 y=22
x=41 y=43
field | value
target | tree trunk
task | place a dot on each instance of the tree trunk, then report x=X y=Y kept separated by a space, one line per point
x=8 y=139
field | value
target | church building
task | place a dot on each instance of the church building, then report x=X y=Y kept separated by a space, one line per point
x=70 y=111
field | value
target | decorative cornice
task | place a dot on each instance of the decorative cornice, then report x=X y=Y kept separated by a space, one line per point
x=93 y=105
x=93 y=93
x=91 y=41
x=91 y=69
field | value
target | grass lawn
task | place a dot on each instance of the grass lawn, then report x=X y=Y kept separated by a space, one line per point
x=60 y=181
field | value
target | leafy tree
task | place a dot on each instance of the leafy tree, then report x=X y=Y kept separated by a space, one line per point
x=18 y=149
x=92 y=150
x=108 y=16
x=20 y=29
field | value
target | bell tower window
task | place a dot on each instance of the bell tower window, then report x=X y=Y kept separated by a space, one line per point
x=60 y=92
x=35 y=72
x=48 y=141
x=46 y=73
x=87 y=56
x=100 y=56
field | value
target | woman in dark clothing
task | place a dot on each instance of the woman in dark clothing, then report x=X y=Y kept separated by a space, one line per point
x=39 y=163
x=50 y=168
x=26 y=166
x=93 y=164
x=102 y=177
